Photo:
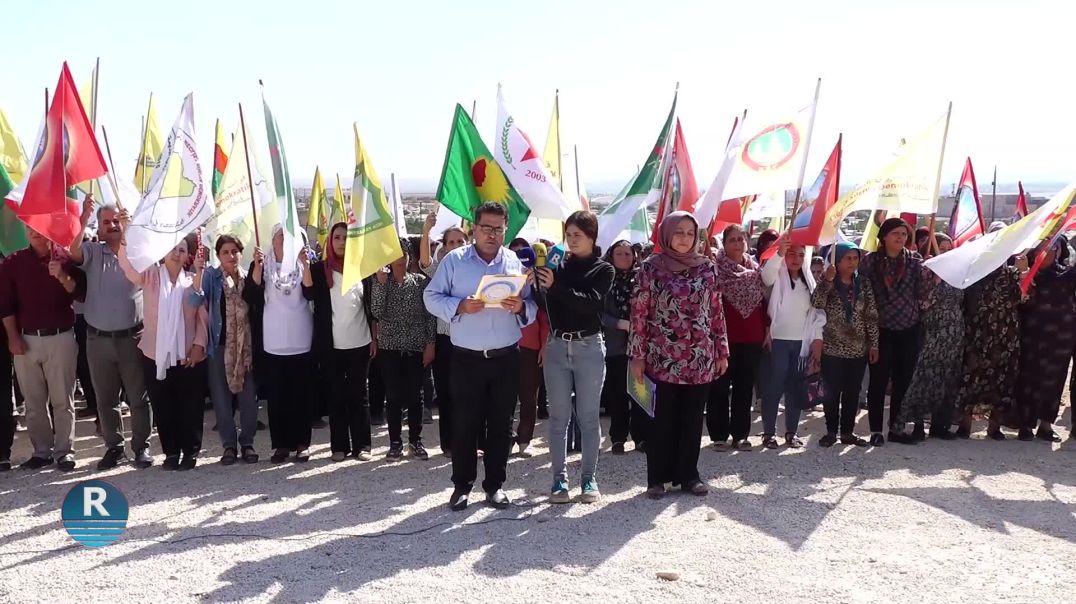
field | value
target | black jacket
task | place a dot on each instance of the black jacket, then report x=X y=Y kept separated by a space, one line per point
x=577 y=298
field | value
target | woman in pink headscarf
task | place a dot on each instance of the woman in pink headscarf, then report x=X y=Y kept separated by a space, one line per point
x=678 y=341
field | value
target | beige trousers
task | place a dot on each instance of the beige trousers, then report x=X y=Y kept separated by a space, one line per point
x=47 y=376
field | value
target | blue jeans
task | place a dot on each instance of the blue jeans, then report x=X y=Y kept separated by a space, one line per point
x=581 y=364
x=781 y=368
x=225 y=404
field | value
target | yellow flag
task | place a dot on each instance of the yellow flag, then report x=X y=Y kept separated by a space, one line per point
x=338 y=211
x=372 y=241
x=234 y=210
x=12 y=156
x=150 y=155
x=908 y=183
x=317 y=216
x=551 y=228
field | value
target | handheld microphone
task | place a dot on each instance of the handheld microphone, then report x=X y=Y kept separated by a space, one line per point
x=540 y=253
x=556 y=256
x=527 y=257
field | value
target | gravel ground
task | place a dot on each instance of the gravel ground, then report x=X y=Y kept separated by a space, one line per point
x=963 y=521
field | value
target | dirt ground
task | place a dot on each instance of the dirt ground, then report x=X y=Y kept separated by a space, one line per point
x=961 y=521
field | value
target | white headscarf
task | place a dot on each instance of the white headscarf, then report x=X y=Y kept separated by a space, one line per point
x=273 y=272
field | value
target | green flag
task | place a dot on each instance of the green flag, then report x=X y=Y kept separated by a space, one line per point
x=471 y=177
x=285 y=196
x=12 y=231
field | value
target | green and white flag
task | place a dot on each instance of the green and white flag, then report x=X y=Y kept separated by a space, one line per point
x=638 y=230
x=642 y=192
x=285 y=197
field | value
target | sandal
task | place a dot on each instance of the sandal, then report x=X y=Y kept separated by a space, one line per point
x=697 y=487
x=250 y=455
x=769 y=441
x=792 y=441
x=852 y=439
x=229 y=457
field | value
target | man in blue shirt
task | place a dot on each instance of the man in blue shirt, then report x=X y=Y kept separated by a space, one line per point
x=485 y=359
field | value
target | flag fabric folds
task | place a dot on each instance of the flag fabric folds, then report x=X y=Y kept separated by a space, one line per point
x=177 y=200
x=680 y=192
x=234 y=214
x=317 y=216
x=525 y=169
x=974 y=260
x=285 y=195
x=372 y=241
x=220 y=159
x=1068 y=222
x=150 y=154
x=338 y=211
x=966 y=221
x=66 y=154
x=907 y=183
x=645 y=190
x=12 y=169
x=395 y=199
x=816 y=201
x=471 y=177
x=1021 y=202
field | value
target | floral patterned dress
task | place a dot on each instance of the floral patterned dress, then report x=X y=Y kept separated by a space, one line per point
x=937 y=373
x=677 y=324
x=1047 y=337
x=991 y=344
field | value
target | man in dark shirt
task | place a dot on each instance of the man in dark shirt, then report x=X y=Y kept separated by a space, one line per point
x=38 y=287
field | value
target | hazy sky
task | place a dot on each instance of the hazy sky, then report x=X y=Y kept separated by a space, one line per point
x=398 y=68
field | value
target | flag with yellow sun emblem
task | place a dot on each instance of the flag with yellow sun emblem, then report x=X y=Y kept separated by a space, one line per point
x=471 y=177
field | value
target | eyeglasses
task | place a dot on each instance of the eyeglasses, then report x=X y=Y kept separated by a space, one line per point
x=491 y=230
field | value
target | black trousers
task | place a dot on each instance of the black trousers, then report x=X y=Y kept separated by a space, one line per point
x=897 y=354
x=322 y=396
x=349 y=417
x=672 y=451
x=740 y=380
x=442 y=381
x=376 y=381
x=843 y=379
x=402 y=372
x=178 y=406
x=289 y=400
x=486 y=391
x=625 y=417
x=7 y=406
x=82 y=367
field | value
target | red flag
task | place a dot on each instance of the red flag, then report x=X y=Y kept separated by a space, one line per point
x=967 y=219
x=681 y=192
x=66 y=155
x=1021 y=203
x=1068 y=222
x=817 y=201
x=730 y=211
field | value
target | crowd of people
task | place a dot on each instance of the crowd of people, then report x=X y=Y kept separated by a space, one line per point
x=710 y=323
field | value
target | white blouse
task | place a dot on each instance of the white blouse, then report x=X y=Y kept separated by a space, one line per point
x=350 y=327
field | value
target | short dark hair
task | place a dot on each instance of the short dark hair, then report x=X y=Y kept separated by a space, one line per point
x=491 y=207
x=585 y=221
x=519 y=241
x=226 y=239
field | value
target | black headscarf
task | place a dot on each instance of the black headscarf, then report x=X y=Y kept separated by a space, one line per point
x=623 y=281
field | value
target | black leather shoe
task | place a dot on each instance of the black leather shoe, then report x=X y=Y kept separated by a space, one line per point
x=828 y=440
x=877 y=440
x=5 y=465
x=171 y=462
x=66 y=463
x=498 y=499
x=919 y=434
x=1025 y=435
x=112 y=458
x=36 y=463
x=143 y=459
x=458 y=501
x=188 y=463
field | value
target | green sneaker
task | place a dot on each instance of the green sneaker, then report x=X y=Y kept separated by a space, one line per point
x=591 y=494
x=559 y=493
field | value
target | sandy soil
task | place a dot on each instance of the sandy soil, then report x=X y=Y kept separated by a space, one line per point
x=965 y=521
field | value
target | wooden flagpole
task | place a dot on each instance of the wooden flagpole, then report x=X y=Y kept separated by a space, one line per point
x=806 y=151
x=933 y=245
x=560 y=153
x=250 y=179
x=145 y=134
x=111 y=171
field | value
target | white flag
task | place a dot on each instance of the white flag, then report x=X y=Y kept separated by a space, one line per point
x=395 y=199
x=234 y=213
x=525 y=168
x=763 y=156
x=177 y=200
x=967 y=264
